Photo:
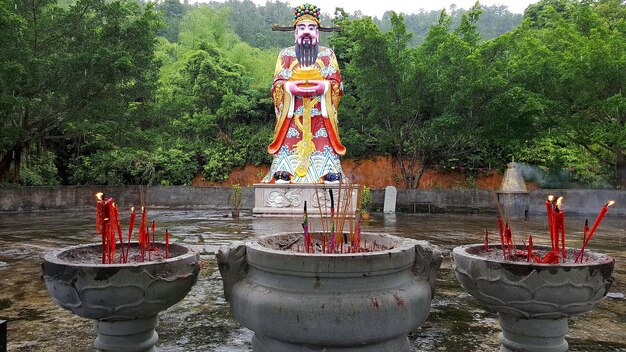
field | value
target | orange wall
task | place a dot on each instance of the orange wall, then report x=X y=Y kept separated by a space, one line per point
x=376 y=173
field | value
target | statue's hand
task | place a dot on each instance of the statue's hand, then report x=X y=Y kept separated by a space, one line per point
x=306 y=88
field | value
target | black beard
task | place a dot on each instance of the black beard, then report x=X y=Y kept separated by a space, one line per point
x=306 y=53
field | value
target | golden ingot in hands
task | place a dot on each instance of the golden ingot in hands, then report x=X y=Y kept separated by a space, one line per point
x=307 y=73
x=301 y=170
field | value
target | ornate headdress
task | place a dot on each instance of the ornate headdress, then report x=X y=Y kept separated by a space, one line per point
x=306 y=12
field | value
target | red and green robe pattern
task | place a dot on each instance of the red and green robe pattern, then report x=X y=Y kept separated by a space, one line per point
x=288 y=134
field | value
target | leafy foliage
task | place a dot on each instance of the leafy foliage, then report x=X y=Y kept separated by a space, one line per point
x=121 y=92
x=86 y=66
x=40 y=170
x=366 y=199
x=236 y=197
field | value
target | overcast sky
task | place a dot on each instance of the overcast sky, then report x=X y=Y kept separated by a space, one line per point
x=378 y=7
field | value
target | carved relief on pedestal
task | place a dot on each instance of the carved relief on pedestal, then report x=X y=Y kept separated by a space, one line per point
x=283 y=198
x=320 y=197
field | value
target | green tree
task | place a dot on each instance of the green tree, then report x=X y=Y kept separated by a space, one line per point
x=380 y=60
x=494 y=21
x=73 y=71
x=213 y=93
x=172 y=12
x=571 y=55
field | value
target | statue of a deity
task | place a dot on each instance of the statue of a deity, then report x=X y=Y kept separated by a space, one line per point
x=306 y=92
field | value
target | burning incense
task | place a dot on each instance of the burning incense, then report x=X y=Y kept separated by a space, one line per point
x=167 y=244
x=603 y=212
x=108 y=223
x=142 y=232
x=131 y=226
x=337 y=216
x=305 y=227
x=556 y=227
x=346 y=211
x=319 y=207
x=334 y=238
x=549 y=212
x=501 y=230
x=560 y=220
x=585 y=231
x=152 y=247
x=100 y=226
x=508 y=237
x=358 y=233
x=118 y=226
x=331 y=247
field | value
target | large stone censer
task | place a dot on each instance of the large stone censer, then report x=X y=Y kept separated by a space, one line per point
x=123 y=299
x=533 y=300
x=296 y=301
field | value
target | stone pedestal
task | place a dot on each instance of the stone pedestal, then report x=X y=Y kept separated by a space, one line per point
x=287 y=199
x=264 y=343
x=135 y=335
x=537 y=335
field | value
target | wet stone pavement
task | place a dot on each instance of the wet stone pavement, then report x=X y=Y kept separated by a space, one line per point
x=202 y=322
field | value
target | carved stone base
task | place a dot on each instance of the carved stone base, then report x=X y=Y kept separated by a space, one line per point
x=288 y=199
x=541 y=335
x=267 y=344
x=134 y=335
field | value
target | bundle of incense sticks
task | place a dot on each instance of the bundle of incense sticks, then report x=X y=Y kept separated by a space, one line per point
x=556 y=227
x=587 y=237
x=335 y=209
x=108 y=223
x=556 y=230
x=305 y=227
x=506 y=234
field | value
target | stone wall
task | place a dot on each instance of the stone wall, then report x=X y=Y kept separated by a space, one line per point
x=469 y=201
x=61 y=198
x=579 y=201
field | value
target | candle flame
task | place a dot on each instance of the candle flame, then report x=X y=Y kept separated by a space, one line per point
x=132 y=209
x=611 y=202
x=558 y=202
x=99 y=195
x=142 y=209
x=550 y=198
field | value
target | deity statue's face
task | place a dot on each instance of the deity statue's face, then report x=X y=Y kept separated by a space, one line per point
x=306 y=33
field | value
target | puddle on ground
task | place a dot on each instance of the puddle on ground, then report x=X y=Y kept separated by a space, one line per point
x=202 y=321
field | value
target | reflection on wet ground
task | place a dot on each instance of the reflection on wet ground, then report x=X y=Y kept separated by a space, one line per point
x=202 y=322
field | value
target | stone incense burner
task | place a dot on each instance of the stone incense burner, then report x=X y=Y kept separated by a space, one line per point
x=123 y=299
x=296 y=301
x=533 y=300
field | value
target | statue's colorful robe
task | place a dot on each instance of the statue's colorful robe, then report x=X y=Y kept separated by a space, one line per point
x=288 y=134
